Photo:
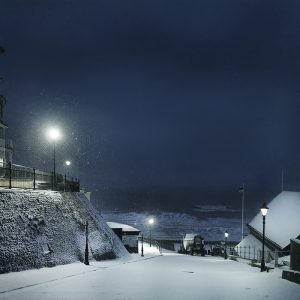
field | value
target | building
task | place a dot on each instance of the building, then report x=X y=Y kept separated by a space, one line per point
x=127 y=234
x=6 y=146
x=282 y=225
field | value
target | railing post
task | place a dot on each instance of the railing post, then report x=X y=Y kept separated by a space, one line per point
x=65 y=181
x=34 y=178
x=10 y=175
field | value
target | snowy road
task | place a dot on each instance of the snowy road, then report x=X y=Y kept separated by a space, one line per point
x=170 y=276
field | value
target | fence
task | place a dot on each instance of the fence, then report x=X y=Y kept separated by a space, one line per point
x=255 y=253
x=16 y=176
x=154 y=243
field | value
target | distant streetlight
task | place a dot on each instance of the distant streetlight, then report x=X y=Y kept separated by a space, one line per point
x=67 y=165
x=264 y=211
x=151 y=222
x=54 y=135
x=225 y=251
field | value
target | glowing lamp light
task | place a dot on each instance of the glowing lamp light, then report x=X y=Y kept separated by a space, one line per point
x=151 y=221
x=54 y=134
x=264 y=209
x=226 y=234
x=68 y=163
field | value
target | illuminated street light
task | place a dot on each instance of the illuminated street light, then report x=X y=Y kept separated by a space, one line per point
x=151 y=222
x=54 y=135
x=264 y=211
x=68 y=163
x=225 y=251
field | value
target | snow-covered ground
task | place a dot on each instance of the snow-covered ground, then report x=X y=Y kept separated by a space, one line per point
x=171 y=276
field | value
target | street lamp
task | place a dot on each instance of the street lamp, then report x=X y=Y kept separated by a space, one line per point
x=264 y=211
x=151 y=222
x=142 y=250
x=225 y=251
x=86 y=252
x=67 y=164
x=54 y=135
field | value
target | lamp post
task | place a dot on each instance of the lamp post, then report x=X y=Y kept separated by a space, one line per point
x=67 y=164
x=86 y=252
x=142 y=250
x=54 y=135
x=151 y=222
x=225 y=251
x=264 y=211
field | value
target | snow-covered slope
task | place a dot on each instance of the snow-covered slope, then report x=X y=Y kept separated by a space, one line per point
x=45 y=228
x=282 y=220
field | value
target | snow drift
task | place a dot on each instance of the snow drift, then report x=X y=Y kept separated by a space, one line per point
x=46 y=228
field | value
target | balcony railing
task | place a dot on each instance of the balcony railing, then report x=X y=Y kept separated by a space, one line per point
x=16 y=176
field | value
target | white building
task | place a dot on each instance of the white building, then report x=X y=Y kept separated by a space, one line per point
x=127 y=234
x=282 y=224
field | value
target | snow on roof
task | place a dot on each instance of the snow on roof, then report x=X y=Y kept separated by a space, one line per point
x=251 y=241
x=296 y=241
x=282 y=219
x=124 y=227
x=190 y=235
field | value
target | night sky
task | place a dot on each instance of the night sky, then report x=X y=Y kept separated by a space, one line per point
x=161 y=103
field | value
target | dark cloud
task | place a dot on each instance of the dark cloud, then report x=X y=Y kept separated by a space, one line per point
x=157 y=93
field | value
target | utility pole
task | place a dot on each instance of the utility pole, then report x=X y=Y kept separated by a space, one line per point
x=86 y=254
x=242 y=190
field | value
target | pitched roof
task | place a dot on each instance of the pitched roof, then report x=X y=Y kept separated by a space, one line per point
x=282 y=220
x=125 y=227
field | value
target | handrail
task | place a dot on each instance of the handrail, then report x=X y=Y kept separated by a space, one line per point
x=154 y=242
x=18 y=176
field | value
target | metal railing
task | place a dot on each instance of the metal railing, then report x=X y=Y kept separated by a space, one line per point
x=255 y=253
x=154 y=243
x=16 y=176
